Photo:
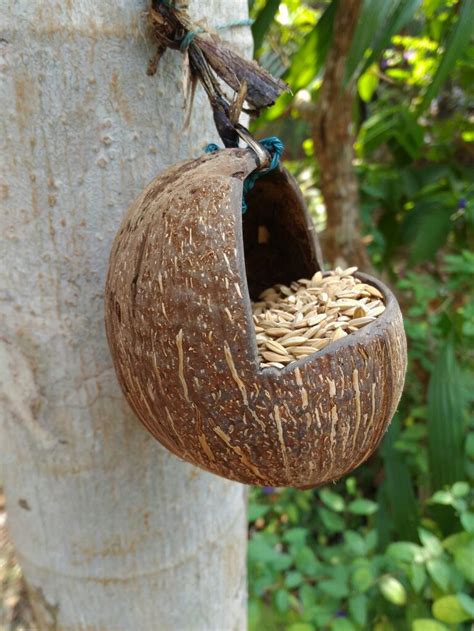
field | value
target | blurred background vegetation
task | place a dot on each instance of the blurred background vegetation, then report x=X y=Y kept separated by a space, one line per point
x=379 y=131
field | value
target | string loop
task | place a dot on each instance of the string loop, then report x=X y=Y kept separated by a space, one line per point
x=190 y=35
x=275 y=148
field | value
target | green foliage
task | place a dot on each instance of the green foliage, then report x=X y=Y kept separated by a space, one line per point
x=398 y=494
x=309 y=58
x=391 y=547
x=445 y=420
x=263 y=21
x=305 y=571
x=455 y=46
x=377 y=23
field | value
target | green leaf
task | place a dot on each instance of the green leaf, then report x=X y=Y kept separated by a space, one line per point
x=440 y=573
x=463 y=559
x=449 y=609
x=355 y=542
x=367 y=84
x=332 y=521
x=432 y=231
x=254 y=614
x=256 y=510
x=263 y=22
x=300 y=626
x=399 y=491
x=442 y=497
x=293 y=579
x=282 y=600
x=425 y=624
x=458 y=542
x=377 y=22
x=295 y=535
x=393 y=590
x=426 y=228
x=430 y=542
x=457 y=42
x=260 y=551
x=384 y=625
x=363 y=507
x=362 y=577
x=377 y=130
x=307 y=595
x=334 y=587
x=306 y=562
x=342 y=624
x=372 y=18
x=467 y=521
x=395 y=125
x=399 y=17
x=470 y=445
x=332 y=500
x=467 y=603
x=358 y=606
x=409 y=133
x=460 y=489
x=445 y=420
x=321 y=615
x=417 y=576
x=309 y=59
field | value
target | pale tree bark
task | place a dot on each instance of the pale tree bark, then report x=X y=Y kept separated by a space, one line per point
x=333 y=136
x=111 y=531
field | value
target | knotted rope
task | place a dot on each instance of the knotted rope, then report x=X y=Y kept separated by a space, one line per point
x=274 y=146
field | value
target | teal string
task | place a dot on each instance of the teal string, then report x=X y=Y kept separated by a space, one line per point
x=190 y=35
x=275 y=148
x=187 y=39
x=211 y=148
x=235 y=23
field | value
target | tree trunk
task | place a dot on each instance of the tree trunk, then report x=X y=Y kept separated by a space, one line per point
x=112 y=532
x=333 y=136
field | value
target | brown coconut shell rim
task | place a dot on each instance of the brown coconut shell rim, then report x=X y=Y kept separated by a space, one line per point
x=351 y=339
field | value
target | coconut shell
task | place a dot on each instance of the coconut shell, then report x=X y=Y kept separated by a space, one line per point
x=183 y=269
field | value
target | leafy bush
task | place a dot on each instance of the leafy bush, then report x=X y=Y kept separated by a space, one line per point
x=317 y=561
x=392 y=546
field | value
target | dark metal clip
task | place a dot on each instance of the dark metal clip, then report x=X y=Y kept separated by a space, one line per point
x=263 y=157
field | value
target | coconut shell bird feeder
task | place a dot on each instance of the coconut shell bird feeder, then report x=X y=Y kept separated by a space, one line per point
x=184 y=270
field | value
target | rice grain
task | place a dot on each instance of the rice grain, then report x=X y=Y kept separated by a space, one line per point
x=292 y=322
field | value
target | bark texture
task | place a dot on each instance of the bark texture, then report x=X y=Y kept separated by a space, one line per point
x=112 y=531
x=333 y=136
x=179 y=323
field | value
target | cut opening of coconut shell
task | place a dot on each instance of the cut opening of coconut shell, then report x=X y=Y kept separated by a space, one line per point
x=184 y=268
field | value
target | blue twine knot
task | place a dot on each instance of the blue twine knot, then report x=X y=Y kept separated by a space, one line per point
x=211 y=148
x=187 y=39
x=190 y=35
x=275 y=148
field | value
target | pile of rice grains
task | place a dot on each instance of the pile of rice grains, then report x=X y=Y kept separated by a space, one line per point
x=296 y=321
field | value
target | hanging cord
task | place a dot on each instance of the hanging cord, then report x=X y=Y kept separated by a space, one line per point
x=190 y=35
x=215 y=65
x=274 y=146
